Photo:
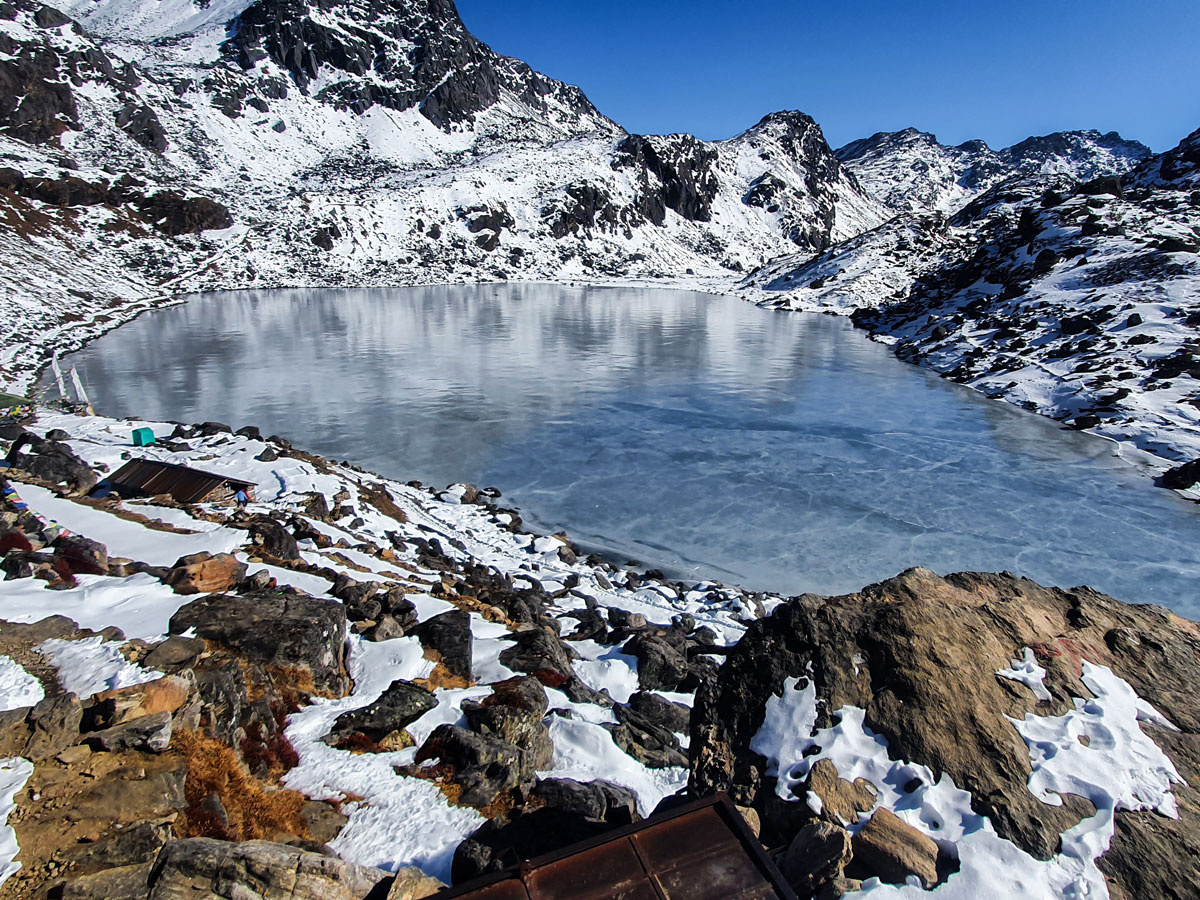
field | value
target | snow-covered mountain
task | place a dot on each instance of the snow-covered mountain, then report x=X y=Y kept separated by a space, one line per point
x=911 y=171
x=165 y=147
x=153 y=148
x=1080 y=300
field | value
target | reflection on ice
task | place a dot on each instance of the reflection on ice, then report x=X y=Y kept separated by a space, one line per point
x=691 y=432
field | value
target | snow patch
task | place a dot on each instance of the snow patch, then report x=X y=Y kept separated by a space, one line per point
x=1119 y=768
x=17 y=687
x=91 y=665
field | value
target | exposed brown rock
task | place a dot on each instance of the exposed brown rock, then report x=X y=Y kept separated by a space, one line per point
x=892 y=849
x=205 y=573
x=841 y=801
x=413 y=884
x=163 y=695
x=919 y=653
x=817 y=855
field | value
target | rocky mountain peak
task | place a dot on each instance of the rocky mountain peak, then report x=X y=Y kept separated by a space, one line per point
x=398 y=55
x=1178 y=167
x=911 y=171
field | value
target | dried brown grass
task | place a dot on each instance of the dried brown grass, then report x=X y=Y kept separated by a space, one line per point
x=255 y=811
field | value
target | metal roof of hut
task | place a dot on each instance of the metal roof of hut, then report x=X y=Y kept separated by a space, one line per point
x=699 y=851
x=151 y=477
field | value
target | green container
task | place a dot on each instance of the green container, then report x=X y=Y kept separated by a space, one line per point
x=143 y=437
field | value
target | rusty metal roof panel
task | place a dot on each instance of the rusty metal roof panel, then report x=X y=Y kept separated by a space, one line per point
x=700 y=851
x=184 y=484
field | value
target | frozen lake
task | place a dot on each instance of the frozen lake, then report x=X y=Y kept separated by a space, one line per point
x=693 y=433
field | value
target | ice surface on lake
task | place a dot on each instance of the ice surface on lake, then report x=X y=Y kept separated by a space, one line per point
x=695 y=433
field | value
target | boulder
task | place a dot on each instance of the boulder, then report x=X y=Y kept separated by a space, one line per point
x=57 y=464
x=411 y=883
x=302 y=635
x=82 y=556
x=816 y=856
x=890 y=848
x=134 y=798
x=54 y=724
x=174 y=653
x=540 y=654
x=401 y=704
x=205 y=573
x=673 y=717
x=570 y=796
x=118 y=883
x=513 y=713
x=841 y=800
x=919 y=654
x=662 y=665
x=482 y=766
x=256 y=870
x=645 y=740
x=273 y=540
x=132 y=846
x=149 y=733
x=447 y=638
x=163 y=695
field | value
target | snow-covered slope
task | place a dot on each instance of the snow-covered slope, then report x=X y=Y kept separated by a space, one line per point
x=158 y=147
x=1077 y=299
x=364 y=143
x=911 y=172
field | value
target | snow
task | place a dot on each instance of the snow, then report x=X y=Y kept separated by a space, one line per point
x=585 y=751
x=14 y=772
x=1029 y=673
x=1120 y=768
x=400 y=821
x=140 y=605
x=90 y=665
x=131 y=539
x=17 y=687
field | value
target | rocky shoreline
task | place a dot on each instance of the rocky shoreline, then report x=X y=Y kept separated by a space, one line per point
x=354 y=677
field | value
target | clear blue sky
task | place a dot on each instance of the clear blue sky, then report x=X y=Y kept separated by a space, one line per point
x=1000 y=71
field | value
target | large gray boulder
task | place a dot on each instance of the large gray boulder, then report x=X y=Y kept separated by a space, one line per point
x=255 y=870
x=299 y=635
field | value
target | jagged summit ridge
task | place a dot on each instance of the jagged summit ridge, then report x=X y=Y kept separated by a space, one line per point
x=398 y=55
x=911 y=171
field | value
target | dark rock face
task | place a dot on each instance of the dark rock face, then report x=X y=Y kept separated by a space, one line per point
x=919 y=654
x=448 y=635
x=585 y=208
x=415 y=54
x=400 y=705
x=566 y=811
x=142 y=124
x=173 y=214
x=286 y=631
x=676 y=172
